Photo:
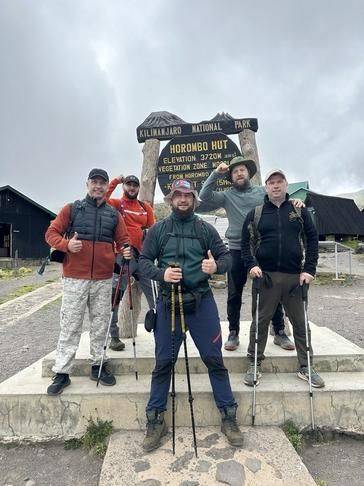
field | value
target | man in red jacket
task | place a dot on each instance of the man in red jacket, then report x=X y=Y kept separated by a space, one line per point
x=138 y=216
x=93 y=230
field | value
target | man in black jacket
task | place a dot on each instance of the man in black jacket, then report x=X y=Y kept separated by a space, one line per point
x=273 y=239
x=198 y=250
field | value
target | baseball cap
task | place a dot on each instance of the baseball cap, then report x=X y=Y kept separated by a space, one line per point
x=131 y=178
x=273 y=172
x=182 y=185
x=98 y=173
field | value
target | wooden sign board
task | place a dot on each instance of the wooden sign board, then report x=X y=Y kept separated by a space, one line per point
x=194 y=158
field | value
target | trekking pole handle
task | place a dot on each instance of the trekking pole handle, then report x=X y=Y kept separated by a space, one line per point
x=305 y=292
x=257 y=282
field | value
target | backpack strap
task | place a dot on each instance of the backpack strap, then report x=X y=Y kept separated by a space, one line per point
x=168 y=232
x=254 y=234
x=200 y=230
x=75 y=209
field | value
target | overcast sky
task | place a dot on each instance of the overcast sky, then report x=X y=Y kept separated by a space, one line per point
x=78 y=77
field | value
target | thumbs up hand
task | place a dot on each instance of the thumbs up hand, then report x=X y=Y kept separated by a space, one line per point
x=208 y=264
x=75 y=245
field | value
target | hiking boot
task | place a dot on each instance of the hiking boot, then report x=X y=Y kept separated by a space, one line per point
x=106 y=378
x=116 y=344
x=316 y=379
x=249 y=375
x=233 y=341
x=281 y=339
x=60 y=381
x=156 y=429
x=230 y=428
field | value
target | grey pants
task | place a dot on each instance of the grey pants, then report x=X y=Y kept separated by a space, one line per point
x=77 y=295
x=145 y=285
x=280 y=291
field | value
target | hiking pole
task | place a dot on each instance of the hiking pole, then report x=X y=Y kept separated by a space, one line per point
x=173 y=392
x=41 y=269
x=110 y=321
x=190 y=397
x=305 y=303
x=131 y=318
x=256 y=286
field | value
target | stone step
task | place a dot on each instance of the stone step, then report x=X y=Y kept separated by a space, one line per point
x=267 y=458
x=26 y=411
x=332 y=353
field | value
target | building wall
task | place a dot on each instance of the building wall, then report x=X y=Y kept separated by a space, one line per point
x=29 y=224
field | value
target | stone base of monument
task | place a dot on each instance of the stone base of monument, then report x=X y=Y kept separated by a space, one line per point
x=27 y=412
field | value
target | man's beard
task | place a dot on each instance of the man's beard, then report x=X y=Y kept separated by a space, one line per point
x=131 y=196
x=183 y=214
x=242 y=187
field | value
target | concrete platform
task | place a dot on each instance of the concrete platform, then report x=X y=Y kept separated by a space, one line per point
x=332 y=353
x=27 y=412
x=267 y=459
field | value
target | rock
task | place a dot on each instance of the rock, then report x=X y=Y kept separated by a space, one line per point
x=150 y=482
x=254 y=465
x=189 y=483
x=230 y=472
x=203 y=466
x=181 y=462
x=225 y=453
x=30 y=482
x=140 y=466
x=208 y=441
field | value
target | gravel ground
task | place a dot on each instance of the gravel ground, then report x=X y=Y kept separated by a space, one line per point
x=337 y=306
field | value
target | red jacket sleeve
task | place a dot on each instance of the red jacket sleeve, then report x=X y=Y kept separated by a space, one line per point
x=112 y=186
x=121 y=235
x=150 y=215
x=54 y=234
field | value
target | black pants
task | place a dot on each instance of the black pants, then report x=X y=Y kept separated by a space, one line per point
x=236 y=280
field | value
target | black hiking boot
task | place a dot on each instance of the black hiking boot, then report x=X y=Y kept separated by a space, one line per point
x=60 y=381
x=233 y=341
x=230 y=428
x=116 y=344
x=156 y=429
x=106 y=378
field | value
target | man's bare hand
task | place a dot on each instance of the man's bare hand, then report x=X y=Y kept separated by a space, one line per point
x=74 y=245
x=208 y=264
x=127 y=253
x=173 y=275
x=306 y=278
x=256 y=272
x=297 y=203
x=120 y=178
x=222 y=168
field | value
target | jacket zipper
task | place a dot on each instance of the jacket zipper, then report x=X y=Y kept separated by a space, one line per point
x=93 y=244
x=279 y=240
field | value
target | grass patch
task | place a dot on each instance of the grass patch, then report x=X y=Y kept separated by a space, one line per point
x=6 y=273
x=321 y=482
x=326 y=278
x=25 y=289
x=293 y=435
x=94 y=439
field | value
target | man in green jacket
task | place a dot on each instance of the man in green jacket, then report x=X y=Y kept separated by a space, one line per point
x=197 y=248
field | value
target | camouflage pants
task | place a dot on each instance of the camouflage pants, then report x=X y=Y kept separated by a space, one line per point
x=77 y=295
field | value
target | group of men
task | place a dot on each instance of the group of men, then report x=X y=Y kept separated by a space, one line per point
x=266 y=236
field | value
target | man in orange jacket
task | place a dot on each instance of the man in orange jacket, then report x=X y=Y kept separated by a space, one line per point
x=93 y=230
x=138 y=216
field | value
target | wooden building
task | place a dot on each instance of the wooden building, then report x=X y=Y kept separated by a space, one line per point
x=23 y=223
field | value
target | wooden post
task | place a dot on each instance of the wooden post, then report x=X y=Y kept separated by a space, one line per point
x=249 y=150
x=149 y=170
x=146 y=193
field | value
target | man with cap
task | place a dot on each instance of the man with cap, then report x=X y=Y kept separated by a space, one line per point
x=188 y=251
x=138 y=217
x=280 y=247
x=87 y=232
x=237 y=201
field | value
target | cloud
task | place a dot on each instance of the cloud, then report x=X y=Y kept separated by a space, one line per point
x=79 y=77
